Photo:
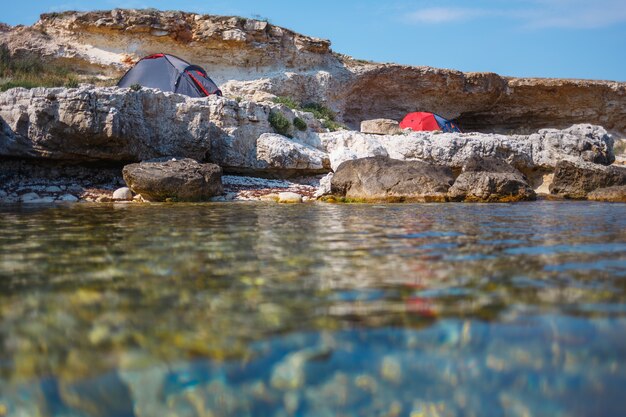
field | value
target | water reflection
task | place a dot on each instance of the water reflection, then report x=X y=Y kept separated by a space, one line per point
x=313 y=310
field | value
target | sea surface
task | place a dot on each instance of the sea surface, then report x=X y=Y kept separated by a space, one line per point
x=255 y=309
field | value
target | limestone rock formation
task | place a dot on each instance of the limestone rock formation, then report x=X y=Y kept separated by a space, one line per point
x=383 y=179
x=174 y=179
x=490 y=180
x=110 y=124
x=577 y=179
x=539 y=151
x=253 y=59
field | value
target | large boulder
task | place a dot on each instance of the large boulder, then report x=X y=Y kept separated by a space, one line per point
x=577 y=179
x=174 y=179
x=385 y=179
x=490 y=180
x=284 y=156
x=537 y=152
x=381 y=127
x=615 y=194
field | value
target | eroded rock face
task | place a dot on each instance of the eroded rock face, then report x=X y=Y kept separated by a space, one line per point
x=254 y=59
x=120 y=125
x=490 y=180
x=385 y=179
x=577 y=179
x=174 y=179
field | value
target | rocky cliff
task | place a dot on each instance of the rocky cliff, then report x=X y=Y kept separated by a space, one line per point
x=256 y=60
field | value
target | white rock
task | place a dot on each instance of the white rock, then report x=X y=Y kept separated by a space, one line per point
x=289 y=198
x=123 y=194
x=540 y=150
x=68 y=198
x=324 y=187
x=279 y=152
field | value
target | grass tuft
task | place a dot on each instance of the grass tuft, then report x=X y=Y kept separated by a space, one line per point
x=31 y=72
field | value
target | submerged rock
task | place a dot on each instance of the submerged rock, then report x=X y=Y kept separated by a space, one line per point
x=178 y=180
x=490 y=180
x=385 y=179
x=577 y=179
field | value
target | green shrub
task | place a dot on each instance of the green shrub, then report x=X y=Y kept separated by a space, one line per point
x=320 y=111
x=135 y=87
x=71 y=83
x=280 y=123
x=300 y=124
x=287 y=101
x=332 y=125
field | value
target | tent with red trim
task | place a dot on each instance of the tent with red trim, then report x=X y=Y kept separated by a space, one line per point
x=424 y=121
x=169 y=73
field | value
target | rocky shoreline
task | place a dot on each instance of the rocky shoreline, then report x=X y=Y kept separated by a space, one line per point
x=68 y=145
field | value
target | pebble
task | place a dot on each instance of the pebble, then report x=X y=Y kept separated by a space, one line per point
x=68 y=198
x=391 y=370
x=123 y=194
x=29 y=197
x=289 y=198
x=52 y=189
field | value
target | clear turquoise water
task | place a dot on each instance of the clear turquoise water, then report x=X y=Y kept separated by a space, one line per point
x=313 y=310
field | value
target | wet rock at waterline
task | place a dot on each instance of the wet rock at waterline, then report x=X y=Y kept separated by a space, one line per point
x=175 y=180
x=615 y=194
x=385 y=179
x=123 y=194
x=577 y=179
x=490 y=180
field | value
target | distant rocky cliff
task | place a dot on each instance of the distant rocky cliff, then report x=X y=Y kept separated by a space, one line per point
x=256 y=60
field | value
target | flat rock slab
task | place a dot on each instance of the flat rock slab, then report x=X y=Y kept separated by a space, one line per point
x=576 y=180
x=174 y=180
x=385 y=179
x=490 y=180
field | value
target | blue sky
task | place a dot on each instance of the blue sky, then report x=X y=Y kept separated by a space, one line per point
x=529 y=38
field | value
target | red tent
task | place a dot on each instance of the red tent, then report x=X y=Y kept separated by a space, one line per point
x=423 y=121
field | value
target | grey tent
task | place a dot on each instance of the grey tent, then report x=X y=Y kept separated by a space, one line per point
x=170 y=73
